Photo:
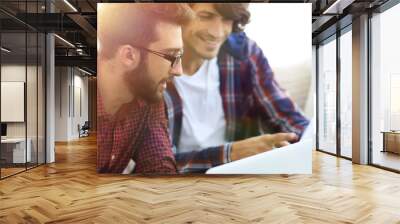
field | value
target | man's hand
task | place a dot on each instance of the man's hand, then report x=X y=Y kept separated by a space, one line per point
x=259 y=144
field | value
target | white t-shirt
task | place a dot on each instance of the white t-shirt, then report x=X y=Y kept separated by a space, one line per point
x=203 y=122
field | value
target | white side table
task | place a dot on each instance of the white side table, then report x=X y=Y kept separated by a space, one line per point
x=18 y=144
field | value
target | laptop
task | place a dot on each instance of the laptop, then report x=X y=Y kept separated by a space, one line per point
x=292 y=159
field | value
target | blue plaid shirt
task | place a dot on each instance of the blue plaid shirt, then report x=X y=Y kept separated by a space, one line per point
x=253 y=103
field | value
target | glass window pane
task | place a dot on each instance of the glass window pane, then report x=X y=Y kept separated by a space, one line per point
x=14 y=153
x=346 y=94
x=327 y=96
x=31 y=97
x=41 y=98
x=22 y=89
x=386 y=89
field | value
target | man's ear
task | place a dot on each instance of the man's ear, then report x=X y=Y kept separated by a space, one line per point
x=129 y=56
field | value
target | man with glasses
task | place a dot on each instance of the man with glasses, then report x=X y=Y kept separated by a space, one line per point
x=139 y=50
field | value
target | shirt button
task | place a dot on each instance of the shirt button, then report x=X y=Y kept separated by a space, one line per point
x=112 y=157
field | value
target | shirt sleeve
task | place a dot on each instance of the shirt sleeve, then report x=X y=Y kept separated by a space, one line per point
x=275 y=107
x=200 y=161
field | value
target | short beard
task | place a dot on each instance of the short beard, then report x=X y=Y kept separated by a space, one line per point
x=141 y=85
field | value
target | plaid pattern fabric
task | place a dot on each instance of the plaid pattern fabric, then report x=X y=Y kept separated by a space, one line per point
x=252 y=100
x=118 y=134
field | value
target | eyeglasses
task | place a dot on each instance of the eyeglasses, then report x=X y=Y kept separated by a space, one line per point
x=175 y=60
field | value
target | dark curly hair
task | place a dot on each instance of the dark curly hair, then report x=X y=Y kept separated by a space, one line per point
x=238 y=12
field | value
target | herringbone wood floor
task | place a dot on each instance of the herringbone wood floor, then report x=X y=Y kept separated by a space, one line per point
x=70 y=191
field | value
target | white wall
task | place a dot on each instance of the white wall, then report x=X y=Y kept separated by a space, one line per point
x=14 y=72
x=70 y=84
x=283 y=31
x=79 y=117
x=62 y=81
x=11 y=73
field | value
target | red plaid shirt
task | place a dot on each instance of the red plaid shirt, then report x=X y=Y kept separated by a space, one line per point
x=118 y=134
